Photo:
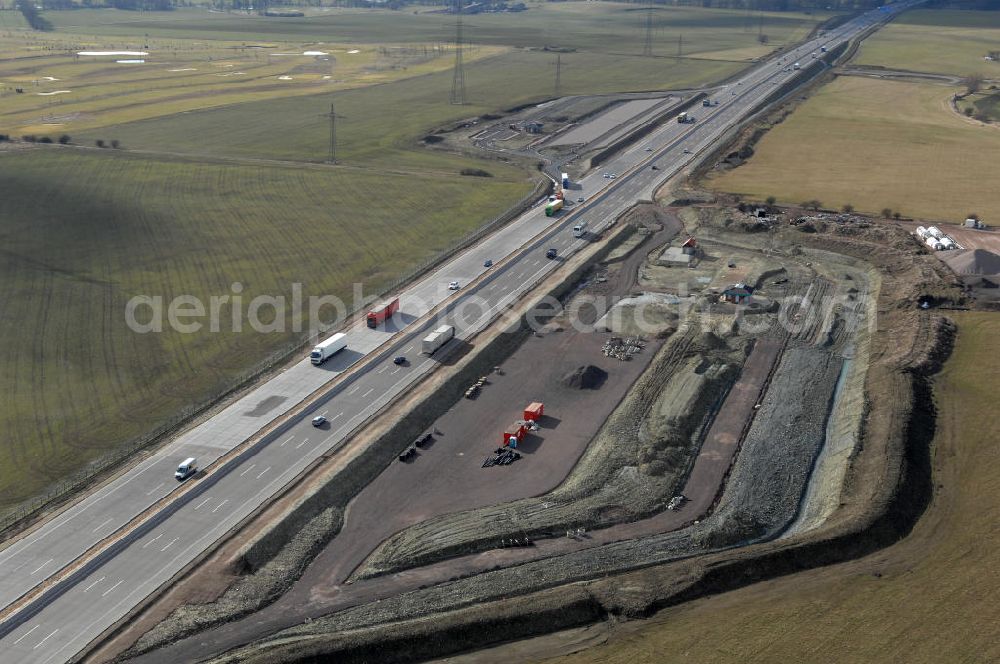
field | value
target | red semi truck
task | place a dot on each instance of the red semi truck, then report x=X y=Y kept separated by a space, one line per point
x=382 y=311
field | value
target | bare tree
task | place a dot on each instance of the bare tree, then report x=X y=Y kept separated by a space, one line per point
x=973 y=82
x=886 y=212
x=848 y=208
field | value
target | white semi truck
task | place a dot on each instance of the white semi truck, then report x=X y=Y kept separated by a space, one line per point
x=437 y=338
x=325 y=350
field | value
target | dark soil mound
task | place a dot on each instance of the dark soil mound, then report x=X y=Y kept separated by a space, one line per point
x=585 y=378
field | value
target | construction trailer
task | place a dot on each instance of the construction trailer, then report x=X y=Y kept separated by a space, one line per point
x=514 y=433
x=534 y=411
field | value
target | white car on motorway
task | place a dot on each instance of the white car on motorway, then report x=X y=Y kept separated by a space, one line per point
x=453 y=285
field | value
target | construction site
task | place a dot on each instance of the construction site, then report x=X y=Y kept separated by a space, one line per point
x=668 y=419
x=684 y=406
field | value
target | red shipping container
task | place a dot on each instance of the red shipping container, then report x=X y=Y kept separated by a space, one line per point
x=515 y=431
x=534 y=411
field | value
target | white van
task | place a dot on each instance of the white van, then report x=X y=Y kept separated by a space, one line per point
x=580 y=229
x=187 y=468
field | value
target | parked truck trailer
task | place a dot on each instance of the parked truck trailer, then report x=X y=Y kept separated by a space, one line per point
x=382 y=311
x=565 y=180
x=437 y=338
x=322 y=352
x=553 y=207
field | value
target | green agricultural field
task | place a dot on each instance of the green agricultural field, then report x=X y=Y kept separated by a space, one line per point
x=199 y=59
x=64 y=92
x=593 y=26
x=372 y=130
x=937 y=41
x=876 y=144
x=930 y=598
x=85 y=230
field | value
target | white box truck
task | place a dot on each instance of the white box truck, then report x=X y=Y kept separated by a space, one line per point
x=334 y=344
x=580 y=229
x=437 y=338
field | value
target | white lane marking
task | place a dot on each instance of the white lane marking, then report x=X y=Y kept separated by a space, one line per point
x=336 y=416
x=248 y=469
x=169 y=544
x=103 y=523
x=26 y=634
x=155 y=488
x=219 y=506
x=287 y=441
x=112 y=587
x=202 y=504
x=382 y=370
x=94 y=583
x=410 y=347
x=40 y=643
x=395 y=372
x=324 y=413
x=370 y=390
x=152 y=540
x=263 y=471
x=42 y=565
x=304 y=441
x=354 y=389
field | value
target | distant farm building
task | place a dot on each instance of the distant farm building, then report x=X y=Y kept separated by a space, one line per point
x=534 y=127
x=690 y=246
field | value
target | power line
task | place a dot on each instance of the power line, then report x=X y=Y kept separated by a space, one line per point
x=558 y=75
x=647 y=47
x=458 y=79
x=333 y=134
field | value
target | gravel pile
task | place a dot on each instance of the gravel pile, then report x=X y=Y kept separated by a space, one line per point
x=585 y=378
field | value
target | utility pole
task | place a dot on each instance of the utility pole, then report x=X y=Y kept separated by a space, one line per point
x=458 y=79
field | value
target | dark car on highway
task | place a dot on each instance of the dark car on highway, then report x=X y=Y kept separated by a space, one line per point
x=551 y=253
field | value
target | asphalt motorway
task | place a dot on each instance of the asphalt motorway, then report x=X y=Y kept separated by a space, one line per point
x=56 y=627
